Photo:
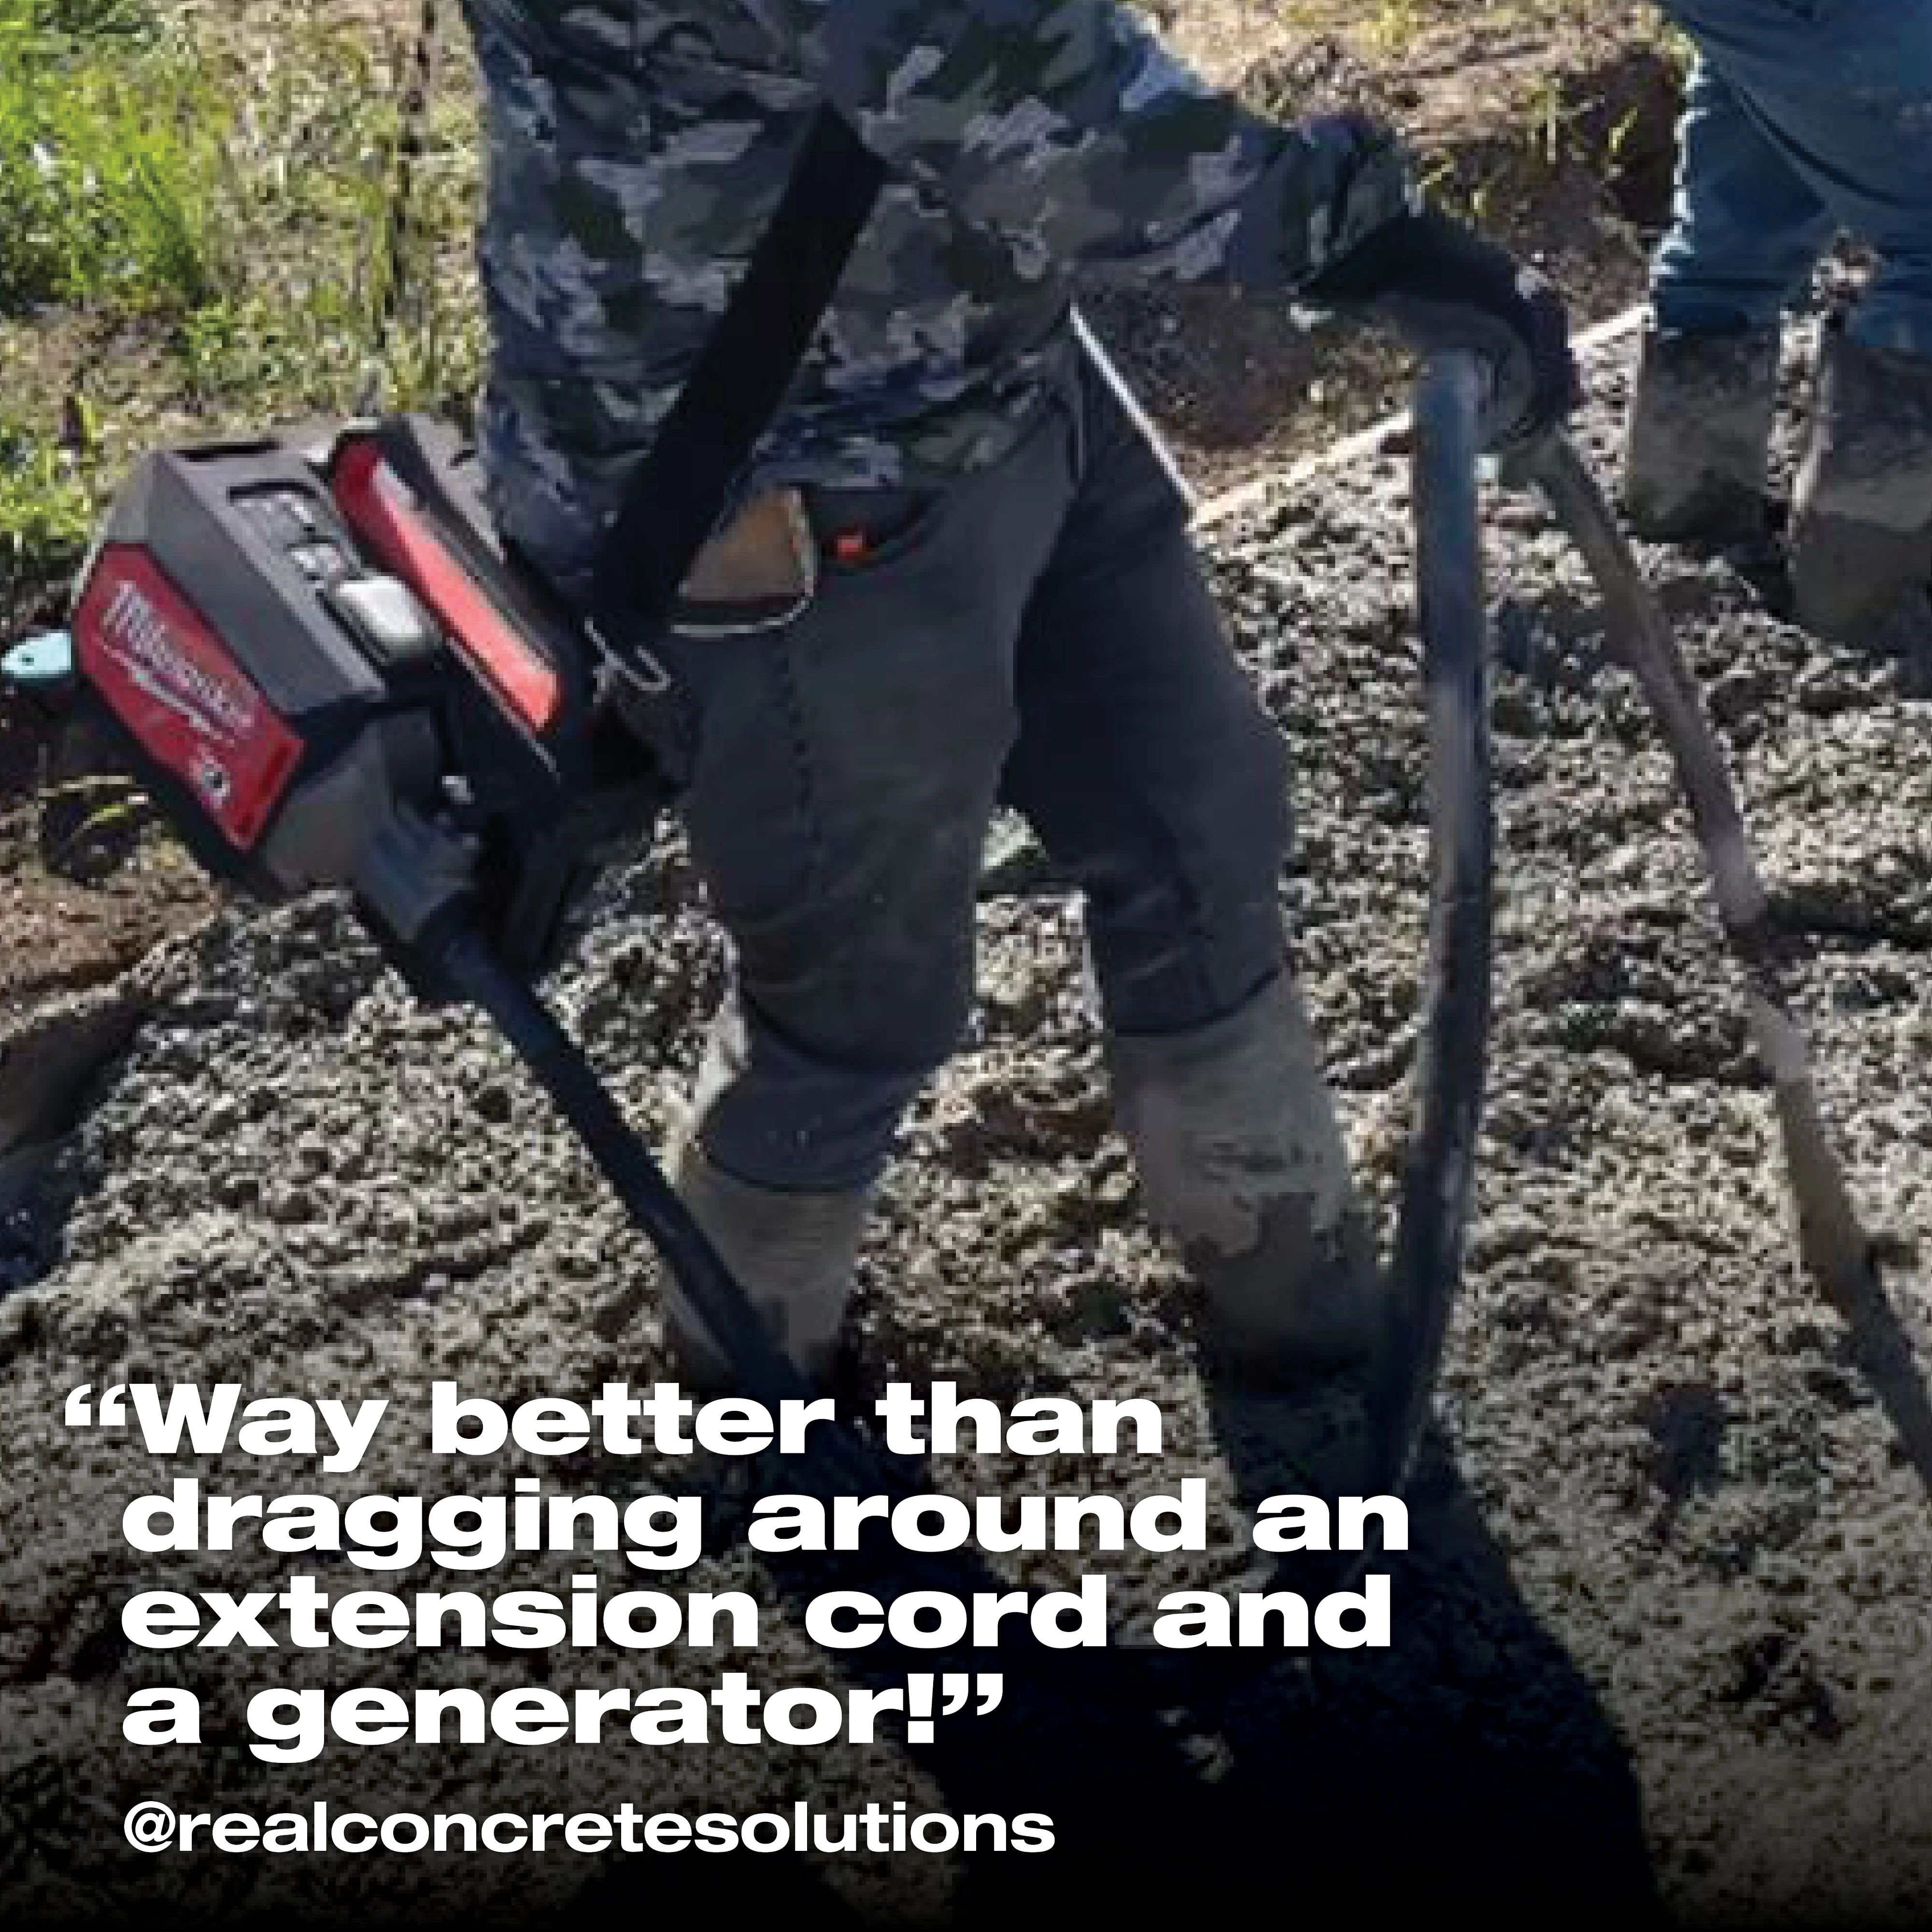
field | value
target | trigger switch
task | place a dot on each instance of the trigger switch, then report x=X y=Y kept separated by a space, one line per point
x=381 y=612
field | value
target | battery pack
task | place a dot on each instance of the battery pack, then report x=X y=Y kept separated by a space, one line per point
x=209 y=625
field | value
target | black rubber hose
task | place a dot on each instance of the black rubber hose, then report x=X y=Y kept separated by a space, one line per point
x=1438 y=1169
x=1833 y=1243
x=1835 y=1246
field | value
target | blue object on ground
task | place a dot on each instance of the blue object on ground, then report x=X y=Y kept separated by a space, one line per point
x=39 y=665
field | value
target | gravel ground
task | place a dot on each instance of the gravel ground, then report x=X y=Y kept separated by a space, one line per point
x=1665 y=1640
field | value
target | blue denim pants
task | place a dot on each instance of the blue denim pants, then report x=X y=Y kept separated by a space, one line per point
x=1039 y=634
x=1803 y=118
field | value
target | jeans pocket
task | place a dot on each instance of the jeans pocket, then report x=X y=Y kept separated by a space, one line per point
x=759 y=573
x=719 y=618
x=862 y=530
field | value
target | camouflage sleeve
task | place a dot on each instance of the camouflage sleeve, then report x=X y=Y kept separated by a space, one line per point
x=1065 y=127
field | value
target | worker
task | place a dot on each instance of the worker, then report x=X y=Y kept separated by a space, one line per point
x=957 y=573
x=1804 y=119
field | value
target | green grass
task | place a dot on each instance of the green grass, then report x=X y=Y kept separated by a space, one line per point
x=46 y=508
x=112 y=143
x=186 y=204
x=112 y=177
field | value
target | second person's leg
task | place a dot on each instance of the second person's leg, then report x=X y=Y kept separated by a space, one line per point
x=1746 y=231
x=1840 y=93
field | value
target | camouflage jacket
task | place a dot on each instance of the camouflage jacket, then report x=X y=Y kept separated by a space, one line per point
x=636 y=149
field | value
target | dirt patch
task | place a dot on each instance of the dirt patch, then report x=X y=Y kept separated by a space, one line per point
x=92 y=882
x=92 y=885
x=1559 y=139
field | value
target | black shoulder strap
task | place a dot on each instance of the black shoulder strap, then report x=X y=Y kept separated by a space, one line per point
x=740 y=378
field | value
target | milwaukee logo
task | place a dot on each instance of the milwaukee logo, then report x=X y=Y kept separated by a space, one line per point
x=140 y=637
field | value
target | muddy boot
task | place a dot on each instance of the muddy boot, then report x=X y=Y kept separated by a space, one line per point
x=1698 y=432
x=793 y=1254
x=1240 y=1158
x=1862 y=509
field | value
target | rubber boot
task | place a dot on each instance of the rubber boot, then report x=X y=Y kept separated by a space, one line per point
x=1698 y=437
x=793 y=1254
x=1241 y=1161
x=1861 y=508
